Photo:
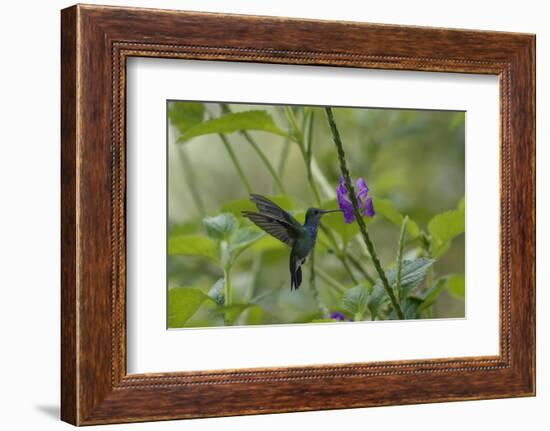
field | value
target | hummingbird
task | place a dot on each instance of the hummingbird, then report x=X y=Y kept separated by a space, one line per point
x=280 y=224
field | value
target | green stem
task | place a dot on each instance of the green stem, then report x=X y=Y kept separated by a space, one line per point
x=297 y=133
x=314 y=189
x=430 y=278
x=344 y=261
x=427 y=243
x=259 y=152
x=227 y=291
x=327 y=189
x=283 y=157
x=261 y=296
x=312 y=167
x=342 y=256
x=309 y=120
x=400 y=248
x=236 y=163
x=300 y=141
x=191 y=180
x=299 y=137
x=308 y=154
x=265 y=160
x=329 y=280
x=255 y=271
x=324 y=310
x=357 y=265
x=358 y=216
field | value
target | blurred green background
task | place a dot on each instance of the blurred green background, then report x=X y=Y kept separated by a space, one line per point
x=413 y=159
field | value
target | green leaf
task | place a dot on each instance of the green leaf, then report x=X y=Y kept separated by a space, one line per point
x=221 y=226
x=183 y=302
x=430 y=296
x=192 y=245
x=185 y=115
x=296 y=132
x=233 y=311
x=443 y=228
x=327 y=320
x=413 y=273
x=447 y=225
x=457 y=285
x=385 y=208
x=255 y=316
x=234 y=122
x=355 y=300
x=377 y=299
x=440 y=248
x=217 y=292
x=462 y=204
x=245 y=237
x=411 y=307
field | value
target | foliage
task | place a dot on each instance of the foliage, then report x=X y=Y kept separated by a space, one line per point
x=183 y=302
x=443 y=228
x=385 y=208
x=223 y=270
x=233 y=122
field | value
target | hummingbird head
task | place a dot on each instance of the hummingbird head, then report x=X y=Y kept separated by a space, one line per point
x=313 y=215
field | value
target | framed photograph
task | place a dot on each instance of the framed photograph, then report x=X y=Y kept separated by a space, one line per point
x=329 y=214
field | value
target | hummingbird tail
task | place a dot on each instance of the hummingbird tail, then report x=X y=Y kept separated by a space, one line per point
x=295 y=278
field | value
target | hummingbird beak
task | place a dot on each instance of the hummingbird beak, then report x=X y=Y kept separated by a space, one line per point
x=330 y=211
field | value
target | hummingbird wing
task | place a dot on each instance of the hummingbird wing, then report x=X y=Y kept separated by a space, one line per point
x=280 y=229
x=270 y=208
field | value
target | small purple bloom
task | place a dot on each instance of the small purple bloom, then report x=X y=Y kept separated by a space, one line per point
x=344 y=202
x=338 y=316
x=363 y=199
x=363 y=189
x=369 y=207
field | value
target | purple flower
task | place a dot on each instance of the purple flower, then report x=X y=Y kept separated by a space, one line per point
x=338 y=316
x=363 y=199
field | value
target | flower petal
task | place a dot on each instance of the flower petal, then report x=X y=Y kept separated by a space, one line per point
x=344 y=202
x=347 y=208
x=338 y=316
x=362 y=189
x=369 y=208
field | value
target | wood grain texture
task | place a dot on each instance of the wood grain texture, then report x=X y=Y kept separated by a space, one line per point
x=69 y=397
x=96 y=41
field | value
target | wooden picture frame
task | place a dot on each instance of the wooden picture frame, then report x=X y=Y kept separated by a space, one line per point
x=95 y=43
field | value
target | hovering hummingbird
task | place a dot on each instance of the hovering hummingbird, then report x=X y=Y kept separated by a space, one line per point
x=282 y=225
